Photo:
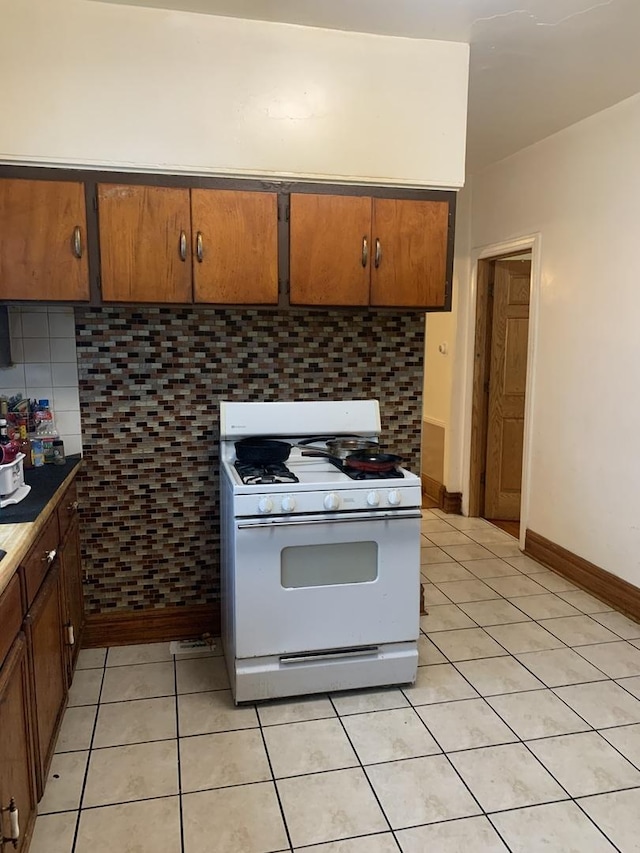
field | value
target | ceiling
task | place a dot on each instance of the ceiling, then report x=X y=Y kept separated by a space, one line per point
x=534 y=70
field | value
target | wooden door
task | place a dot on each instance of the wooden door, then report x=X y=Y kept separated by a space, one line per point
x=145 y=243
x=43 y=241
x=47 y=657
x=235 y=247
x=409 y=253
x=330 y=249
x=17 y=779
x=508 y=374
x=73 y=595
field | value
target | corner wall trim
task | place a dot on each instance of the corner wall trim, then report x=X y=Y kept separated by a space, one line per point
x=450 y=502
x=615 y=591
x=151 y=625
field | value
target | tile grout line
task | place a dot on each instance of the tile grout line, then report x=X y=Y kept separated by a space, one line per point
x=88 y=765
x=273 y=778
x=178 y=754
x=364 y=772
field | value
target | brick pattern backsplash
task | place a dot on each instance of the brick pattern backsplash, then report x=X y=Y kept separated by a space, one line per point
x=150 y=383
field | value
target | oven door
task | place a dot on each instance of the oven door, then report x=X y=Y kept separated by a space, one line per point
x=312 y=583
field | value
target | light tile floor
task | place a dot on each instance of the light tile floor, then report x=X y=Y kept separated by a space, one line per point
x=521 y=733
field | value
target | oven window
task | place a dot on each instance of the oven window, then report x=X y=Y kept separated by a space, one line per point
x=329 y=564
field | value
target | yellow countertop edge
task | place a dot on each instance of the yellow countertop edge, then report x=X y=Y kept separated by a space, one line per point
x=17 y=539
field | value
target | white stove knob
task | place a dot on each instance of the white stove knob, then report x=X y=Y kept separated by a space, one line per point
x=265 y=505
x=332 y=501
x=394 y=497
x=288 y=504
x=373 y=499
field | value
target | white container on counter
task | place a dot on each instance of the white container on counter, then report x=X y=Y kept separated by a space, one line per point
x=12 y=486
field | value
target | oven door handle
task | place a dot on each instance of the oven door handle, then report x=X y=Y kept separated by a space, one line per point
x=253 y=525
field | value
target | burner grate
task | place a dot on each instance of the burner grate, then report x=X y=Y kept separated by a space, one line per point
x=273 y=472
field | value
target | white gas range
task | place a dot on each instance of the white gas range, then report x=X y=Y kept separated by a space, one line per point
x=320 y=564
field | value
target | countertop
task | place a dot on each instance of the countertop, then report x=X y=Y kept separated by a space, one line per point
x=17 y=537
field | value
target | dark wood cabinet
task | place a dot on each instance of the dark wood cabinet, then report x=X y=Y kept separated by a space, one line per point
x=160 y=244
x=145 y=243
x=17 y=779
x=43 y=236
x=41 y=621
x=171 y=239
x=73 y=617
x=409 y=253
x=359 y=250
x=330 y=248
x=43 y=626
x=235 y=247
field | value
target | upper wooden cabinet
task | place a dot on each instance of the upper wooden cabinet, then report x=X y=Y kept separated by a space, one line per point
x=330 y=245
x=145 y=235
x=235 y=247
x=178 y=245
x=409 y=253
x=357 y=250
x=43 y=233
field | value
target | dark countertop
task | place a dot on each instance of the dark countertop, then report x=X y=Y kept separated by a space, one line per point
x=44 y=482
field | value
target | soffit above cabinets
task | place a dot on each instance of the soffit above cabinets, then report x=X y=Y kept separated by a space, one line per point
x=536 y=65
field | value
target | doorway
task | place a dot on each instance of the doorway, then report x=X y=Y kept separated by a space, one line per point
x=499 y=385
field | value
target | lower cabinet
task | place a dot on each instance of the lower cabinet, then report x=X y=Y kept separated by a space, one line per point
x=17 y=778
x=41 y=621
x=73 y=595
x=44 y=629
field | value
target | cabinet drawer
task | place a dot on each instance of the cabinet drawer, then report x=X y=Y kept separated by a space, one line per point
x=10 y=615
x=40 y=557
x=67 y=509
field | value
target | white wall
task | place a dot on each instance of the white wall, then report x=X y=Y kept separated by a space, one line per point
x=580 y=189
x=439 y=402
x=148 y=89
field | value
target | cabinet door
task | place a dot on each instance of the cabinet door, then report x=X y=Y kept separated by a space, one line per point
x=43 y=233
x=145 y=238
x=330 y=249
x=17 y=780
x=409 y=253
x=47 y=659
x=235 y=248
x=73 y=595
x=37 y=562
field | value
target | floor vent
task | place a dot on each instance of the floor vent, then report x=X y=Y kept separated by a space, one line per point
x=192 y=647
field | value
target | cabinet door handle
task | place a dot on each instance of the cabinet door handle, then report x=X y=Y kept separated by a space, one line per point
x=49 y=556
x=183 y=246
x=14 y=824
x=365 y=251
x=77 y=242
x=199 y=247
x=73 y=506
x=378 y=257
x=71 y=637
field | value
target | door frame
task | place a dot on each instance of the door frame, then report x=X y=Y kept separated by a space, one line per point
x=496 y=251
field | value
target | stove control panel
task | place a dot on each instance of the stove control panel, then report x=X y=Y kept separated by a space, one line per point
x=285 y=502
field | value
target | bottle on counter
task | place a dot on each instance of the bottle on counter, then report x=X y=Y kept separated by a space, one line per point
x=25 y=447
x=37 y=452
x=58 y=452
